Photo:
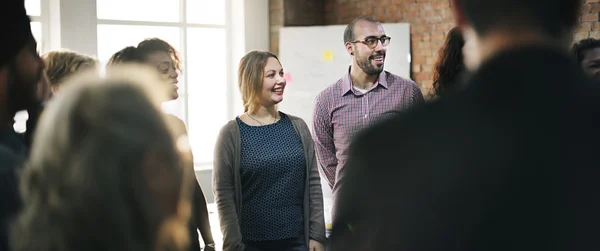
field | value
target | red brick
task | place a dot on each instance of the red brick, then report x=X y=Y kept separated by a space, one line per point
x=426 y=37
x=592 y=1
x=416 y=68
x=594 y=7
x=430 y=60
x=420 y=76
x=596 y=26
x=438 y=36
x=593 y=17
x=584 y=27
x=426 y=68
x=587 y=8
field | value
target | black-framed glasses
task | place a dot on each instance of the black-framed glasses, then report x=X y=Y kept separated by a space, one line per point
x=372 y=42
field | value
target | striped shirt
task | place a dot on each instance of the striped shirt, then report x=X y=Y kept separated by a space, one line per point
x=341 y=110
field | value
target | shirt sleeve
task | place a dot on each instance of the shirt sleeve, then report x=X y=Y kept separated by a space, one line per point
x=323 y=138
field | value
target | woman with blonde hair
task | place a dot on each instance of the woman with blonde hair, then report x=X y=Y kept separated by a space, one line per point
x=62 y=64
x=266 y=183
x=96 y=180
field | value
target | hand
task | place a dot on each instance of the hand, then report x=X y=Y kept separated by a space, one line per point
x=315 y=246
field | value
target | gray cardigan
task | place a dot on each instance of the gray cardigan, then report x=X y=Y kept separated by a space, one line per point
x=228 y=191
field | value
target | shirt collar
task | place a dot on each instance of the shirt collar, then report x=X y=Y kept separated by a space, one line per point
x=347 y=82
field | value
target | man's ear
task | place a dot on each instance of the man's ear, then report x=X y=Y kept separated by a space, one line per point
x=349 y=48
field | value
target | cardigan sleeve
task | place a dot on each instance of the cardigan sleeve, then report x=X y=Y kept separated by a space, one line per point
x=317 y=218
x=224 y=190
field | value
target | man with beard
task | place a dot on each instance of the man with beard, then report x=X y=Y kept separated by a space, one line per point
x=508 y=163
x=364 y=95
x=20 y=72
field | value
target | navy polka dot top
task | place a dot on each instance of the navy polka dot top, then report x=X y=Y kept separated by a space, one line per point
x=273 y=170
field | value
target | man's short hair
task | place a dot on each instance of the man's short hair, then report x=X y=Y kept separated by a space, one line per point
x=349 y=31
x=580 y=47
x=554 y=18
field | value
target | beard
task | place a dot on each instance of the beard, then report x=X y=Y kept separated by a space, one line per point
x=22 y=90
x=365 y=64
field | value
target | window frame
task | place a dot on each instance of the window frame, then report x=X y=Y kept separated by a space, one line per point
x=73 y=24
x=183 y=26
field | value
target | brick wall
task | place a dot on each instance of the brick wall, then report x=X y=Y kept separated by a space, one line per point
x=589 y=27
x=275 y=23
x=293 y=13
x=430 y=20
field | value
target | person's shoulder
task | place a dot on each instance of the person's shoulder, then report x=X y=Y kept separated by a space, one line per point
x=330 y=90
x=409 y=126
x=395 y=77
x=230 y=126
x=296 y=120
x=176 y=123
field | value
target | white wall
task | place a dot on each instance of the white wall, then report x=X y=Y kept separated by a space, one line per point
x=250 y=27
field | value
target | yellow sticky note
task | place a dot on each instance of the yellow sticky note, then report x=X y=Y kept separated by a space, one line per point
x=328 y=55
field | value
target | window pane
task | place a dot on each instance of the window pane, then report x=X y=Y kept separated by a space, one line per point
x=33 y=7
x=112 y=38
x=206 y=11
x=36 y=30
x=207 y=89
x=139 y=10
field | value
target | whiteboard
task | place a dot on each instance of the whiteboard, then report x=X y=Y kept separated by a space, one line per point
x=315 y=57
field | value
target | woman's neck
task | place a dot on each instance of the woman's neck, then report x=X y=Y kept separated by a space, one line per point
x=264 y=112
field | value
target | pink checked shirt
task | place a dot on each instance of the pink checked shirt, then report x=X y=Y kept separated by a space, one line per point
x=341 y=111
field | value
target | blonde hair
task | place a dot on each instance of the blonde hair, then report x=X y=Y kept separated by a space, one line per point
x=105 y=173
x=250 y=76
x=62 y=64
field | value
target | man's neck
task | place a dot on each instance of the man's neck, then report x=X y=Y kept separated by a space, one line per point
x=360 y=79
x=494 y=43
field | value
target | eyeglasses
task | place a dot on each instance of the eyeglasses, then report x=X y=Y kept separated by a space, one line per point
x=372 y=42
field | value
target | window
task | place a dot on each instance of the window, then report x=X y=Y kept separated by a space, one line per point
x=139 y=10
x=33 y=7
x=36 y=30
x=206 y=12
x=207 y=89
x=198 y=29
x=34 y=10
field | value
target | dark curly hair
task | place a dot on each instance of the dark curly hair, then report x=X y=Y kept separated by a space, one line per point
x=140 y=52
x=583 y=45
x=449 y=63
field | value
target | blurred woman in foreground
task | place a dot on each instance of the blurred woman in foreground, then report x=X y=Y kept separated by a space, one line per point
x=162 y=56
x=96 y=180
